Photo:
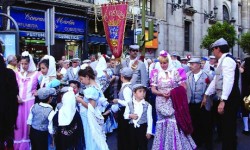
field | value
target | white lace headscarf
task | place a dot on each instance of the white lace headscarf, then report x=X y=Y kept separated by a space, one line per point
x=164 y=53
x=51 y=70
x=32 y=65
x=68 y=109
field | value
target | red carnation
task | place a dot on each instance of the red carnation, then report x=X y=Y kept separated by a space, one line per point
x=207 y=80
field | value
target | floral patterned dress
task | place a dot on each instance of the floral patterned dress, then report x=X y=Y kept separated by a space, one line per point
x=168 y=135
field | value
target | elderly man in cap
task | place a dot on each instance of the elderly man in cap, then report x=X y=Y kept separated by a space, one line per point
x=175 y=61
x=197 y=83
x=225 y=85
x=139 y=69
x=72 y=72
x=12 y=62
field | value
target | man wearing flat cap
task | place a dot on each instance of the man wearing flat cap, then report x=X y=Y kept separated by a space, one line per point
x=225 y=85
x=72 y=72
x=139 y=68
x=197 y=83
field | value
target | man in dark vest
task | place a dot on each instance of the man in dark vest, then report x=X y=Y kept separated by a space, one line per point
x=225 y=85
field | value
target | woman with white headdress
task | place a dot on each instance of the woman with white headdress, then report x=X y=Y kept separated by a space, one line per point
x=27 y=80
x=48 y=70
x=173 y=126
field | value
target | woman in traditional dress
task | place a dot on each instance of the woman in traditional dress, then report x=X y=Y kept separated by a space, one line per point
x=92 y=118
x=173 y=127
x=27 y=80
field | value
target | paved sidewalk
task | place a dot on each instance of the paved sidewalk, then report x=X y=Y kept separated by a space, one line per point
x=243 y=140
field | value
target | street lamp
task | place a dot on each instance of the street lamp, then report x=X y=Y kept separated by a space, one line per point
x=232 y=21
x=211 y=15
x=175 y=6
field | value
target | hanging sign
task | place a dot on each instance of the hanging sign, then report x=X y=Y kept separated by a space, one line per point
x=114 y=17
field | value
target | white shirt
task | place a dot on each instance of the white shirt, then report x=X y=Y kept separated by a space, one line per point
x=131 y=62
x=138 y=109
x=63 y=71
x=127 y=94
x=228 y=72
x=50 y=117
x=197 y=75
x=75 y=70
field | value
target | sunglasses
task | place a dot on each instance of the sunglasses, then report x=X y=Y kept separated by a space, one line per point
x=135 y=51
x=75 y=62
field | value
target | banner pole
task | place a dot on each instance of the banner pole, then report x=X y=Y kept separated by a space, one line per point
x=143 y=19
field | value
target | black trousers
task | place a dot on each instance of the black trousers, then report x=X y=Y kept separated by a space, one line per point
x=229 y=124
x=202 y=125
x=137 y=137
x=122 y=131
x=216 y=119
x=38 y=139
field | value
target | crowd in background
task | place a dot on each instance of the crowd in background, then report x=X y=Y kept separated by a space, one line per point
x=74 y=104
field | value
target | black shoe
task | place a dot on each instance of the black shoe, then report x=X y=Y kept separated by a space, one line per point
x=246 y=132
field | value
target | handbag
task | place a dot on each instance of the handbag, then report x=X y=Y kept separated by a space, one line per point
x=247 y=102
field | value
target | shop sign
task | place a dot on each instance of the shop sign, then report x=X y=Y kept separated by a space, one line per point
x=32 y=34
x=69 y=37
x=30 y=20
x=57 y=36
x=68 y=24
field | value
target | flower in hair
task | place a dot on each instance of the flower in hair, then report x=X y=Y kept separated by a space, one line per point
x=163 y=53
x=25 y=53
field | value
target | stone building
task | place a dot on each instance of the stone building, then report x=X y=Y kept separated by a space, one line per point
x=183 y=23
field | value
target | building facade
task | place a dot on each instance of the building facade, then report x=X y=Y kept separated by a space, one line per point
x=183 y=23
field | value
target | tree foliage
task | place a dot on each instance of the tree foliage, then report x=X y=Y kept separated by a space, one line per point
x=245 y=42
x=217 y=31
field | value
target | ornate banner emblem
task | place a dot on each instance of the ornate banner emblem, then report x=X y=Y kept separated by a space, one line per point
x=114 y=17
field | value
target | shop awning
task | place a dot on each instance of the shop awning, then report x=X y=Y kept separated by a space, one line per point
x=101 y=40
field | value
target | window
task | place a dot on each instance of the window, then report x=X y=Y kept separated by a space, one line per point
x=148 y=6
x=187 y=36
x=188 y=2
x=225 y=14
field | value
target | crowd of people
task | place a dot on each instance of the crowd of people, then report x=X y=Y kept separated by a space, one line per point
x=71 y=104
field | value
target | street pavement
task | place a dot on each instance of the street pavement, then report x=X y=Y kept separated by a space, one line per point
x=243 y=140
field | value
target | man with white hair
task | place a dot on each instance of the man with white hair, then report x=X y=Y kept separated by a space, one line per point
x=12 y=62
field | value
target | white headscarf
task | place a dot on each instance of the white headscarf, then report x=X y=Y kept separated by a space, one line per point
x=101 y=66
x=170 y=62
x=68 y=109
x=32 y=65
x=51 y=70
x=52 y=66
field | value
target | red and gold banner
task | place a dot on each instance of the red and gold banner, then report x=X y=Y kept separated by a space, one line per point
x=114 y=17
